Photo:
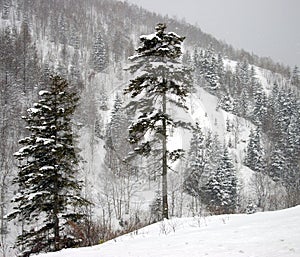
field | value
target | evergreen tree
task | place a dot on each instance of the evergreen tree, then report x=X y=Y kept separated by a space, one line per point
x=295 y=79
x=26 y=62
x=278 y=164
x=253 y=83
x=286 y=109
x=48 y=202
x=23 y=44
x=292 y=152
x=203 y=157
x=161 y=79
x=75 y=73
x=281 y=124
x=197 y=162
x=243 y=104
x=255 y=153
x=196 y=65
x=156 y=207
x=209 y=68
x=103 y=100
x=249 y=160
x=220 y=68
x=284 y=161
x=221 y=188
x=213 y=151
x=271 y=114
x=243 y=74
x=99 y=54
x=242 y=87
x=260 y=106
x=187 y=59
x=62 y=29
x=74 y=37
x=226 y=103
x=117 y=146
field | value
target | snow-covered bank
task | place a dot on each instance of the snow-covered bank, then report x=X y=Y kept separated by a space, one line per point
x=267 y=234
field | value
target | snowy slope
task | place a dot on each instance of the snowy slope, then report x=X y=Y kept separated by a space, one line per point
x=268 y=234
x=203 y=109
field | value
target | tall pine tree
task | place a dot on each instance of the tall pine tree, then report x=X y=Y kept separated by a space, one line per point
x=48 y=202
x=161 y=79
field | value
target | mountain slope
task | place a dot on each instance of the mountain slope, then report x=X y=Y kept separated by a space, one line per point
x=65 y=37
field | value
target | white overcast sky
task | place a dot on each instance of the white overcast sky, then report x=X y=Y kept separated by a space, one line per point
x=264 y=27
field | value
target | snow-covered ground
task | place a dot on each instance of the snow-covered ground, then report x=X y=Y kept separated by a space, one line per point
x=268 y=234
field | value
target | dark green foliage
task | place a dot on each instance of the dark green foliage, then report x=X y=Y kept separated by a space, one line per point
x=49 y=192
x=250 y=208
x=278 y=169
x=99 y=54
x=209 y=67
x=282 y=126
x=226 y=103
x=255 y=153
x=260 y=106
x=197 y=161
x=158 y=58
x=156 y=208
x=116 y=142
x=221 y=188
x=27 y=69
x=161 y=80
x=295 y=78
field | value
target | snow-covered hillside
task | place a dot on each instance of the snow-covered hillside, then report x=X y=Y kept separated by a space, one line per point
x=275 y=234
x=243 y=105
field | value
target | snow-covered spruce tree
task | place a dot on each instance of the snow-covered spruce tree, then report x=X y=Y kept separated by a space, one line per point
x=99 y=55
x=48 y=201
x=119 y=122
x=255 y=153
x=26 y=61
x=221 y=188
x=260 y=106
x=295 y=78
x=197 y=160
x=284 y=155
x=156 y=208
x=161 y=80
x=208 y=67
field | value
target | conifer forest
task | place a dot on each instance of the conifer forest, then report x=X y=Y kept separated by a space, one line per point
x=113 y=118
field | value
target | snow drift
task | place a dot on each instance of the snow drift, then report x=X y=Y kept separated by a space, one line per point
x=266 y=234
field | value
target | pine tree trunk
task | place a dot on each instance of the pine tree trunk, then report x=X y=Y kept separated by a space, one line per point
x=56 y=233
x=164 y=163
x=56 y=200
x=55 y=217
